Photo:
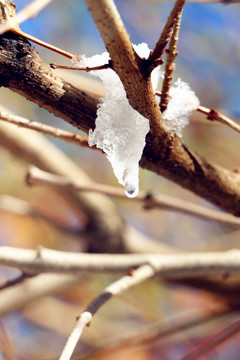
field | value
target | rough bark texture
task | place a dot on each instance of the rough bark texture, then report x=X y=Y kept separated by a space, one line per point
x=23 y=71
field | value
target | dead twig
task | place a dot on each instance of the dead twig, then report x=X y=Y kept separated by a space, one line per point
x=214 y=115
x=36 y=176
x=141 y=274
x=45 y=129
x=87 y=69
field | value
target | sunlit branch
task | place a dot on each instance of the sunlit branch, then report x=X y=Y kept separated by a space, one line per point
x=43 y=43
x=45 y=129
x=87 y=68
x=169 y=67
x=167 y=266
x=141 y=274
x=36 y=176
x=214 y=115
x=158 y=50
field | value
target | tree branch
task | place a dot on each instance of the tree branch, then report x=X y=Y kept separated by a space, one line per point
x=45 y=129
x=166 y=33
x=169 y=67
x=214 y=115
x=36 y=176
x=141 y=274
x=176 y=266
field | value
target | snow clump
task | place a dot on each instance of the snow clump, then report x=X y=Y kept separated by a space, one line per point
x=120 y=131
x=182 y=102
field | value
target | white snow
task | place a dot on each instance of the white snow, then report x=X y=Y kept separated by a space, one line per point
x=120 y=131
x=182 y=102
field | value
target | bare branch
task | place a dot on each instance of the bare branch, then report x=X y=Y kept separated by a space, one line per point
x=158 y=50
x=214 y=115
x=87 y=69
x=17 y=280
x=169 y=67
x=36 y=176
x=139 y=275
x=45 y=129
x=42 y=43
x=218 y=339
x=174 y=266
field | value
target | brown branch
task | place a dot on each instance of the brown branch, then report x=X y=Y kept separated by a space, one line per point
x=158 y=50
x=169 y=67
x=87 y=69
x=36 y=176
x=45 y=129
x=42 y=43
x=214 y=115
x=141 y=274
x=22 y=71
x=130 y=68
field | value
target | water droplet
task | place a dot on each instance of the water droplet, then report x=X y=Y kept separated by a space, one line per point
x=131 y=191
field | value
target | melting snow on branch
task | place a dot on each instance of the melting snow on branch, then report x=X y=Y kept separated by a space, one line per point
x=120 y=131
x=182 y=102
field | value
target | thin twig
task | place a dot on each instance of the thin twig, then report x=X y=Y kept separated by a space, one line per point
x=43 y=43
x=214 y=115
x=157 y=52
x=216 y=340
x=141 y=274
x=45 y=129
x=36 y=176
x=169 y=67
x=87 y=68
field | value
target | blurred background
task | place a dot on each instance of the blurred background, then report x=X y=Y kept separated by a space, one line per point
x=209 y=57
